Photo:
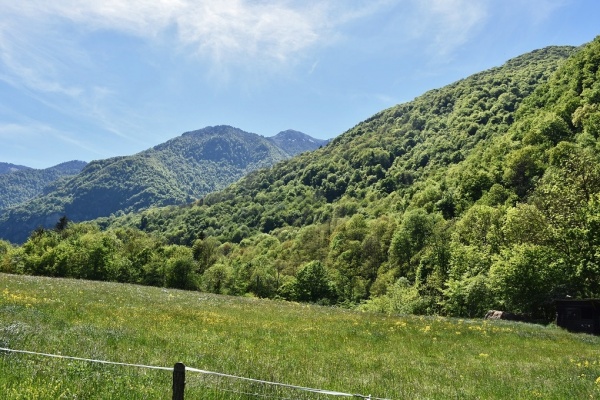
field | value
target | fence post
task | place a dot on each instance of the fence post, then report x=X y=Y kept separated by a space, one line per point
x=178 y=381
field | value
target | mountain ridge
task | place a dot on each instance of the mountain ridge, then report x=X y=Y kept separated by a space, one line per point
x=26 y=183
x=395 y=206
x=177 y=171
x=483 y=194
x=295 y=142
x=6 y=168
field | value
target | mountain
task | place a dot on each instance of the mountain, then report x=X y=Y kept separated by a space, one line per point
x=176 y=172
x=6 y=168
x=484 y=194
x=389 y=156
x=426 y=207
x=24 y=183
x=294 y=142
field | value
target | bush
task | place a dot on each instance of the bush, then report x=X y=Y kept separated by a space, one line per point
x=313 y=283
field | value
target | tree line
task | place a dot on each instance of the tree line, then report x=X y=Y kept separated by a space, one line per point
x=483 y=194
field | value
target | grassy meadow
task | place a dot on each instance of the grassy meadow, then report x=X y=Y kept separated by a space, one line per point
x=396 y=357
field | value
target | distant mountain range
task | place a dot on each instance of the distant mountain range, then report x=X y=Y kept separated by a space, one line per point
x=6 y=168
x=19 y=183
x=178 y=171
x=294 y=142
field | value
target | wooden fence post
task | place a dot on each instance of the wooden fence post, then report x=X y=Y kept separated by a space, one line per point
x=178 y=381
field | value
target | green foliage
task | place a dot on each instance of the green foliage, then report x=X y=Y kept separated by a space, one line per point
x=526 y=279
x=401 y=298
x=205 y=252
x=468 y=296
x=20 y=184
x=313 y=283
x=218 y=279
x=482 y=194
x=176 y=172
x=522 y=168
x=410 y=239
x=181 y=268
x=121 y=255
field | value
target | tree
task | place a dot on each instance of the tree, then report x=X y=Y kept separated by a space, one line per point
x=181 y=268
x=468 y=296
x=414 y=233
x=218 y=279
x=568 y=196
x=526 y=279
x=522 y=168
x=205 y=252
x=313 y=283
x=62 y=224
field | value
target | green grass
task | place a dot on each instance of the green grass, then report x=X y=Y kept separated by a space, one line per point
x=397 y=357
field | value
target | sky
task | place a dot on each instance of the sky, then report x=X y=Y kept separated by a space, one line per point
x=87 y=80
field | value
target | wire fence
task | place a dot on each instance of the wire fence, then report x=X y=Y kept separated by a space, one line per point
x=220 y=384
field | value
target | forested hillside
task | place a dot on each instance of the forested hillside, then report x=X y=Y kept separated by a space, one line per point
x=6 y=168
x=176 y=172
x=482 y=194
x=19 y=184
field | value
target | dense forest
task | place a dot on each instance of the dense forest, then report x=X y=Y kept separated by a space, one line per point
x=176 y=172
x=19 y=184
x=482 y=194
x=6 y=168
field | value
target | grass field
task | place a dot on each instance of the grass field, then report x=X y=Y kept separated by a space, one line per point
x=396 y=357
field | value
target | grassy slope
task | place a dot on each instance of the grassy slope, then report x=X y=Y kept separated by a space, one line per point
x=385 y=356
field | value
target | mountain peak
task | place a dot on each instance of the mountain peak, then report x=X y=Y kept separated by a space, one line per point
x=7 y=168
x=295 y=142
x=216 y=129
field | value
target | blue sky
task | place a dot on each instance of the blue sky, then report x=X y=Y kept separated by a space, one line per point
x=87 y=80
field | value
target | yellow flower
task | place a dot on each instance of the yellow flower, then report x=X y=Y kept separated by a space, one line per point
x=483 y=355
x=598 y=381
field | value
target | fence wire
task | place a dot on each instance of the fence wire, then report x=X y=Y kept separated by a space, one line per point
x=222 y=386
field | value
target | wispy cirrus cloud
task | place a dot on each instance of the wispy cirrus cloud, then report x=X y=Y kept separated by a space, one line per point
x=540 y=10
x=219 y=30
x=47 y=47
x=232 y=32
x=38 y=131
x=42 y=43
x=448 y=24
x=458 y=21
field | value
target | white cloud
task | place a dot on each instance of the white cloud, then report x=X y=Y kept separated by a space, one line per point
x=29 y=58
x=221 y=30
x=450 y=23
x=235 y=28
x=540 y=10
x=140 y=17
x=22 y=133
x=13 y=130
